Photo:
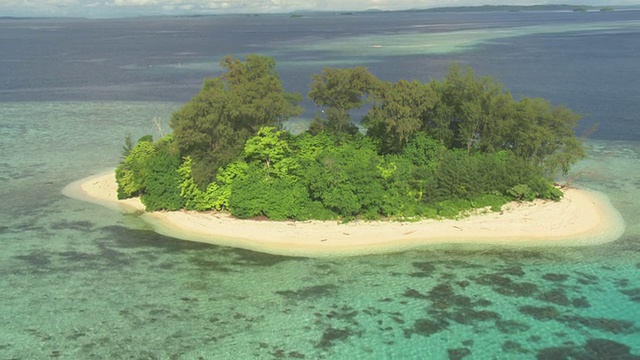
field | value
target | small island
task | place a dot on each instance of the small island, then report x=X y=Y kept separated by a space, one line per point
x=423 y=157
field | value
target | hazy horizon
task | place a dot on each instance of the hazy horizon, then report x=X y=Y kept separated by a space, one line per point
x=135 y=8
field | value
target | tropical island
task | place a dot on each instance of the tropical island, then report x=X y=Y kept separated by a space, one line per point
x=421 y=153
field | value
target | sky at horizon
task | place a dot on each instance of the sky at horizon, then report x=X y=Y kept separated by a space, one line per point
x=124 y=8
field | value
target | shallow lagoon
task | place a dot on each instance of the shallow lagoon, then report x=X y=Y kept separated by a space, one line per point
x=83 y=281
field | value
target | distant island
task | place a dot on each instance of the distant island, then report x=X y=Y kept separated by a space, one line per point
x=480 y=8
x=515 y=8
x=437 y=150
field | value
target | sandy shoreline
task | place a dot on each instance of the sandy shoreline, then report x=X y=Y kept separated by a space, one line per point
x=581 y=218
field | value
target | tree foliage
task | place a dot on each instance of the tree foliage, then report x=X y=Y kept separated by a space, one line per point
x=338 y=91
x=213 y=127
x=130 y=174
x=151 y=172
x=438 y=149
x=400 y=110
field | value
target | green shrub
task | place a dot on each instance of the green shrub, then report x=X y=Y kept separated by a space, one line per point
x=553 y=193
x=429 y=212
x=522 y=192
x=316 y=211
x=130 y=174
x=453 y=208
x=495 y=201
x=162 y=182
x=213 y=197
x=277 y=199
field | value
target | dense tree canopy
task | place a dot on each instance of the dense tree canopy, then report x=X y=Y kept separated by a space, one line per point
x=338 y=91
x=430 y=150
x=213 y=127
x=400 y=110
x=477 y=115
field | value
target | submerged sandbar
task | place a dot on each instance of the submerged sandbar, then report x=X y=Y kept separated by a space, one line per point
x=581 y=218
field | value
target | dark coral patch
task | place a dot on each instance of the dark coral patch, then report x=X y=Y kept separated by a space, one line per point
x=587 y=279
x=35 y=258
x=608 y=349
x=541 y=313
x=79 y=256
x=444 y=294
x=621 y=282
x=555 y=277
x=414 y=294
x=248 y=257
x=556 y=353
x=523 y=289
x=72 y=225
x=126 y=238
x=310 y=292
x=513 y=347
x=555 y=296
x=633 y=294
x=331 y=335
x=609 y=325
x=511 y=327
x=468 y=316
x=344 y=313
x=580 y=302
x=426 y=327
x=594 y=349
x=114 y=257
x=296 y=355
x=534 y=338
x=281 y=354
x=513 y=270
x=211 y=265
x=505 y=286
x=458 y=353
x=426 y=269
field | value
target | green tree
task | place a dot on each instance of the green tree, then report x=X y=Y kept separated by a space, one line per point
x=161 y=178
x=399 y=111
x=269 y=148
x=127 y=147
x=213 y=127
x=470 y=112
x=131 y=173
x=275 y=198
x=162 y=191
x=545 y=135
x=338 y=91
x=423 y=151
x=346 y=179
x=214 y=196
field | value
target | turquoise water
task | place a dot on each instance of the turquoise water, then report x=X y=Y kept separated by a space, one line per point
x=80 y=281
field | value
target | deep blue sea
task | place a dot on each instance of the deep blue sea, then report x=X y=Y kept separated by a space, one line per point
x=80 y=281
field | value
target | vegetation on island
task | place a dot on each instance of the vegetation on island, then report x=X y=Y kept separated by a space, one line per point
x=423 y=150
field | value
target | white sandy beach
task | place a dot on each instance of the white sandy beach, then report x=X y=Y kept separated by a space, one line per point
x=581 y=218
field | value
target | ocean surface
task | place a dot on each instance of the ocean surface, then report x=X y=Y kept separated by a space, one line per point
x=80 y=281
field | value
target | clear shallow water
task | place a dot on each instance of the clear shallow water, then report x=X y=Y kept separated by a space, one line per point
x=82 y=281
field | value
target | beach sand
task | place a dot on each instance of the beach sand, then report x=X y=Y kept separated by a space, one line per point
x=581 y=218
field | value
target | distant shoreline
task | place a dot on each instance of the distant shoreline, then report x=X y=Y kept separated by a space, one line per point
x=581 y=218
